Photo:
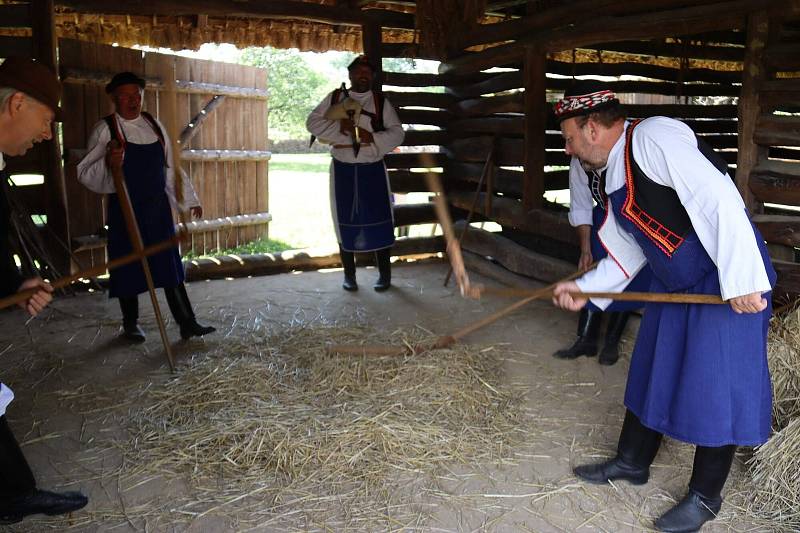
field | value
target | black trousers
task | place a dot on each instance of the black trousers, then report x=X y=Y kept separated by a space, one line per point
x=177 y=300
x=16 y=478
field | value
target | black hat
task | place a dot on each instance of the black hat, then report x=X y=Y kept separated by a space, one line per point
x=34 y=79
x=361 y=60
x=584 y=97
x=124 y=78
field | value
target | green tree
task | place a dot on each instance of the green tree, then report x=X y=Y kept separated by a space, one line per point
x=295 y=88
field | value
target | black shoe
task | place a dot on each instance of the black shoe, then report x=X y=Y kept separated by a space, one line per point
x=193 y=329
x=132 y=333
x=382 y=284
x=41 y=502
x=689 y=514
x=609 y=355
x=613 y=469
x=581 y=347
x=349 y=283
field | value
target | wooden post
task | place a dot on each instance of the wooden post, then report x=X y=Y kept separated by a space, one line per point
x=749 y=111
x=535 y=124
x=44 y=50
x=371 y=42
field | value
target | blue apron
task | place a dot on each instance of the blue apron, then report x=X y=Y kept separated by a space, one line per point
x=362 y=206
x=145 y=178
x=698 y=373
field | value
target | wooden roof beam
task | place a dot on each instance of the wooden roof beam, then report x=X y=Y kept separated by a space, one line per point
x=344 y=15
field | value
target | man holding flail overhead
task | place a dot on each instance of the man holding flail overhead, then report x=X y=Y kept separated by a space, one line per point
x=698 y=372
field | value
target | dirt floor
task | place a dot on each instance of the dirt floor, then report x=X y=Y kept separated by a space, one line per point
x=574 y=407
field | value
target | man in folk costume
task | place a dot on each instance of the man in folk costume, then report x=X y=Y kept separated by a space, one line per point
x=29 y=94
x=698 y=373
x=361 y=126
x=587 y=186
x=139 y=143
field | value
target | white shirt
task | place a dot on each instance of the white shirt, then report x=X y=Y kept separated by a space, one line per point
x=666 y=151
x=384 y=141
x=6 y=394
x=96 y=176
x=580 y=197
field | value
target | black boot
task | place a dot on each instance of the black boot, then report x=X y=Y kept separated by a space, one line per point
x=383 y=260
x=130 y=317
x=181 y=308
x=586 y=344
x=18 y=494
x=349 y=265
x=704 y=499
x=638 y=446
x=614 y=330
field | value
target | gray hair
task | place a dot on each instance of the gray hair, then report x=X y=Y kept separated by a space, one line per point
x=5 y=94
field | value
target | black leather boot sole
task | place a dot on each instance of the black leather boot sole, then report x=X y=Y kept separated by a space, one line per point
x=41 y=502
x=349 y=284
x=133 y=333
x=612 y=470
x=195 y=330
x=609 y=355
x=580 y=348
x=689 y=514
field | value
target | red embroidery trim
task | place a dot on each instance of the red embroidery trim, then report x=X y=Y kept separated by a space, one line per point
x=666 y=240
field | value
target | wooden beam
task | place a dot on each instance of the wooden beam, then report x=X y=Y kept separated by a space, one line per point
x=425 y=117
x=15 y=46
x=776 y=130
x=509 y=212
x=371 y=44
x=420 y=99
x=427 y=137
x=535 y=124
x=707 y=75
x=510 y=126
x=782 y=57
x=508 y=151
x=415 y=160
x=412 y=214
x=776 y=182
x=749 y=110
x=296 y=260
x=223 y=8
x=236 y=221
x=489 y=105
x=194 y=125
x=779 y=229
x=513 y=256
x=788 y=277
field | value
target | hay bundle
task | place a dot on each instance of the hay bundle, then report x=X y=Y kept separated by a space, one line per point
x=784 y=364
x=280 y=420
x=776 y=474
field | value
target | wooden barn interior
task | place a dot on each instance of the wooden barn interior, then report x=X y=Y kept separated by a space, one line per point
x=726 y=68
x=730 y=69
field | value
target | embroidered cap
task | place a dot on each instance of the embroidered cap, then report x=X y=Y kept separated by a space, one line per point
x=584 y=97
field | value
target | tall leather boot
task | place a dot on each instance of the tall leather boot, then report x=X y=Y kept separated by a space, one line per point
x=704 y=499
x=614 y=330
x=181 y=309
x=383 y=260
x=588 y=329
x=349 y=265
x=19 y=496
x=637 y=447
x=129 y=305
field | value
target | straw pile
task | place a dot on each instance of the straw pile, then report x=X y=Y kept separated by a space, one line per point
x=775 y=466
x=276 y=429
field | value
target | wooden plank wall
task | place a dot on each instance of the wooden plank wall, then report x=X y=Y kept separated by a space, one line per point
x=225 y=188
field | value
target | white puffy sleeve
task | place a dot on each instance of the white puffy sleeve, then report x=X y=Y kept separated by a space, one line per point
x=324 y=129
x=580 y=199
x=393 y=134
x=93 y=172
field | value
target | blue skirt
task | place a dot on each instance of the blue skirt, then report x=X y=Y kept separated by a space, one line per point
x=362 y=206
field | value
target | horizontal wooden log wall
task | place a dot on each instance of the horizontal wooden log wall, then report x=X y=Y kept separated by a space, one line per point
x=490 y=109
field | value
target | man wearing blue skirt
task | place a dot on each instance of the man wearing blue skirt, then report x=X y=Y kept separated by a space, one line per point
x=361 y=126
x=698 y=372
x=587 y=187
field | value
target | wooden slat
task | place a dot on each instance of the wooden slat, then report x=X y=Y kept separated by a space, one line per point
x=493 y=125
x=779 y=229
x=775 y=130
x=15 y=46
x=509 y=212
x=776 y=182
x=411 y=214
x=782 y=57
x=510 y=103
x=420 y=99
x=644 y=70
x=535 y=124
x=226 y=155
x=426 y=137
x=788 y=277
x=415 y=160
x=509 y=152
x=426 y=117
